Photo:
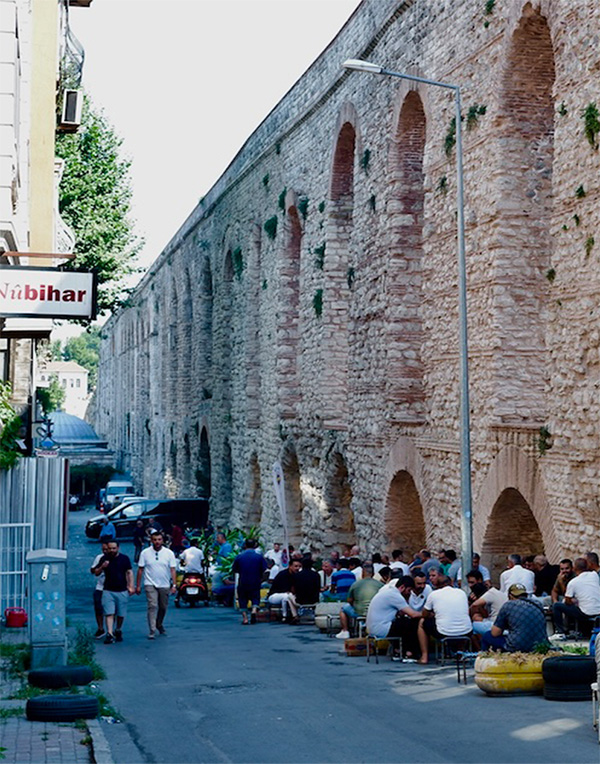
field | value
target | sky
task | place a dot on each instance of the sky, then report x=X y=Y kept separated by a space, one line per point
x=185 y=82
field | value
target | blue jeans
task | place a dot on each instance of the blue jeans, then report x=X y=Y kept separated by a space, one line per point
x=487 y=642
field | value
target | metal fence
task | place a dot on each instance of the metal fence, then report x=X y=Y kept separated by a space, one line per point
x=33 y=515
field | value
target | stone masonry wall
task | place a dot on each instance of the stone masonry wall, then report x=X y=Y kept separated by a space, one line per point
x=307 y=309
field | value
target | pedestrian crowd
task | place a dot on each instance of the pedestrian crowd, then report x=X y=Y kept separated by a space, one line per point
x=406 y=602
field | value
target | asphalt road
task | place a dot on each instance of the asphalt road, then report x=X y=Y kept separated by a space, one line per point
x=214 y=691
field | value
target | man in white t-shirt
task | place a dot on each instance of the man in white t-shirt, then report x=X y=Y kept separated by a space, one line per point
x=390 y=615
x=275 y=554
x=397 y=564
x=157 y=565
x=582 y=598
x=420 y=592
x=493 y=600
x=517 y=574
x=192 y=558
x=446 y=614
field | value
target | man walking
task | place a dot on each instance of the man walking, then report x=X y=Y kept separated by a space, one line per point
x=250 y=566
x=158 y=567
x=118 y=586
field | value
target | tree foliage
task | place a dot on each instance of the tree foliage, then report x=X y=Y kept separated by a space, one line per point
x=51 y=398
x=95 y=200
x=85 y=350
x=10 y=427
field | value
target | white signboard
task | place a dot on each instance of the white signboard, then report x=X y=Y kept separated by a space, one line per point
x=279 y=486
x=35 y=292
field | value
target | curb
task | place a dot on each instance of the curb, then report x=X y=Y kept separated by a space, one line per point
x=101 y=753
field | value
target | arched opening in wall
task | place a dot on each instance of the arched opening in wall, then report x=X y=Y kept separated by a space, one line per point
x=293 y=496
x=252 y=331
x=512 y=529
x=404 y=377
x=203 y=477
x=522 y=255
x=338 y=499
x=254 y=513
x=288 y=330
x=226 y=492
x=226 y=330
x=404 y=518
x=186 y=467
x=186 y=377
x=337 y=261
x=205 y=328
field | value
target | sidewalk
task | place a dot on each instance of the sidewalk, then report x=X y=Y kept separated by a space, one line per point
x=43 y=742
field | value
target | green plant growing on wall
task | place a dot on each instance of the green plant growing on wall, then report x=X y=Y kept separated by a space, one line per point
x=303 y=207
x=321 y=207
x=450 y=139
x=562 y=110
x=373 y=202
x=489 y=7
x=576 y=219
x=589 y=245
x=350 y=275
x=551 y=274
x=473 y=115
x=544 y=440
x=580 y=192
x=278 y=148
x=442 y=185
x=320 y=256
x=565 y=227
x=591 y=121
x=238 y=263
x=271 y=227
x=264 y=284
x=281 y=200
x=10 y=426
x=265 y=181
x=318 y=303
x=365 y=159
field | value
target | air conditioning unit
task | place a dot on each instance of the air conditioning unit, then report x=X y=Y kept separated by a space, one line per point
x=71 y=110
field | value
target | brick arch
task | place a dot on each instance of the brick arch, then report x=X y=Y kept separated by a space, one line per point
x=203 y=469
x=404 y=367
x=293 y=494
x=338 y=259
x=515 y=472
x=288 y=310
x=404 y=512
x=204 y=327
x=337 y=498
x=523 y=245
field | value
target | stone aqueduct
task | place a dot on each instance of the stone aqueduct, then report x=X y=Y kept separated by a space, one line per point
x=307 y=309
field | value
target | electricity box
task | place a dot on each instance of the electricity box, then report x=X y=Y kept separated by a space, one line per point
x=47 y=578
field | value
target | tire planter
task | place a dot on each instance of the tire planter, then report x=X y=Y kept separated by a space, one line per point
x=61 y=708
x=56 y=677
x=509 y=674
x=569 y=677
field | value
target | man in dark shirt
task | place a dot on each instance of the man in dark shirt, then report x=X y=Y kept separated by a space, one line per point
x=524 y=620
x=250 y=566
x=283 y=591
x=307 y=583
x=118 y=586
x=545 y=577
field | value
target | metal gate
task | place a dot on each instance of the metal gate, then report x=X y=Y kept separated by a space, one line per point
x=16 y=539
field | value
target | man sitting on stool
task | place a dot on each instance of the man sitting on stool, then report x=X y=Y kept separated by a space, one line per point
x=389 y=615
x=359 y=597
x=522 y=618
x=446 y=614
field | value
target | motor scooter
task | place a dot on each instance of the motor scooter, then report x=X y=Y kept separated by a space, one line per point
x=192 y=589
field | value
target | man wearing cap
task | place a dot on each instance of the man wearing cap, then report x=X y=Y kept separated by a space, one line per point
x=522 y=618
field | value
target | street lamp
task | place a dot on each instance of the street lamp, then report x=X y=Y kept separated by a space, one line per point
x=465 y=437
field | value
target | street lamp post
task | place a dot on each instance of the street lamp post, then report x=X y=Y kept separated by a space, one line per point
x=465 y=436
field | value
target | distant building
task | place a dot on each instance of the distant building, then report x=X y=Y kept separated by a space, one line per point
x=74 y=380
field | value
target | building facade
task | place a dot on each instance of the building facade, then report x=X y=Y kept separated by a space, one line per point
x=307 y=309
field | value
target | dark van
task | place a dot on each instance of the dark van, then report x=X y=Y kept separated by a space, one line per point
x=193 y=512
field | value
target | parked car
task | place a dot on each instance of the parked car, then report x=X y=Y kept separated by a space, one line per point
x=192 y=512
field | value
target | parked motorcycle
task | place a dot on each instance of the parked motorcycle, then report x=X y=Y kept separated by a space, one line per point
x=192 y=589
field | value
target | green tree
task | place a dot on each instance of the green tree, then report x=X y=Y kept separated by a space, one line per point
x=10 y=427
x=51 y=398
x=85 y=350
x=95 y=200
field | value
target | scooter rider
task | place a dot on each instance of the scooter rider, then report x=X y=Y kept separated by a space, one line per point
x=192 y=558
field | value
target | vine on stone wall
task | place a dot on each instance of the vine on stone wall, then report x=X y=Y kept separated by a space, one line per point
x=473 y=115
x=271 y=227
x=551 y=274
x=320 y=256
x=265 y=181
x=591 y=120
x=589 y=245
x=321 y=207
x=303 y=207
x=318 y=303
x=365 y=159
x=281 y=200
x=544 y=440
x=580 y=192
x=238 y=262
x=373 y=202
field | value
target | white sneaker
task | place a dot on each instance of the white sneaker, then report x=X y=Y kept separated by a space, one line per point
x=343 y=635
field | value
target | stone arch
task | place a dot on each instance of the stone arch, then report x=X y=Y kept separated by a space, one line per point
x=288 y=328
x=203 y=472
x=511 y=528
x=337 y=260
x=404 y=511
x=225 y=331
x=293 y=495
x=513 y=477
x=522 y=251
x=404 y=377
x=254 y=511
x=252 y=330
x=337 y=497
